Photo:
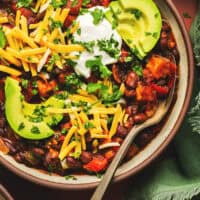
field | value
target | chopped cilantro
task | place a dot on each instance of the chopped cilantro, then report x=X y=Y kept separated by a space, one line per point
x=85 y=2
x=24 y=83
x=98 y=175
x=24 y=3
x=137 y=13
x=40 y=111
x=55 y=24
x=104 y=93
x=35 y=130
x=72 y=82
x=71 y=63
x=64 y=131
x=2 y=38
x=68 y=177
x=110 y=46
x=88 y=125
x=56 y=41
x=58 y=3
x=156 y=15
x=21 y=126
x=138 y=70
x=62 y=95
x=83 y=11
x=89 y=46
x=34 y=91
x=74 y=3
x=52 y=61
x=79 y=31
x=97 y=15
x=36 y=119
x=96 y=65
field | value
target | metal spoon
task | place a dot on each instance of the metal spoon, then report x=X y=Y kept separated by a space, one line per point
x=158 y=116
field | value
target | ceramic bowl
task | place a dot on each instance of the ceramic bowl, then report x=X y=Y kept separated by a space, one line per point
x=4 y=195
x=158 y=144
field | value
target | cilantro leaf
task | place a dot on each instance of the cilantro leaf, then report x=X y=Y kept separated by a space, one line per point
x=85 y=2
x=97 y=15
x=96 y=65
x=58 y=3
x=2 y=38
x=72 y=82
x=110 y=46
x=24 y=3
x=138 y=70
x=104 y=94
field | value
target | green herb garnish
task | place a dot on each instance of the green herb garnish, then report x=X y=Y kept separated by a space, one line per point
x=24 y=83
x=58 y=3
x=137 y=13
x=73 y=82
x=35 y=130
x=138 y=70
x=2 y=38
x=85 y=2
x=88 y=125
x=55 y=24
x=97 y=15
x=21 y=126
x=24 y=3
x=96 y=65
x=68 y=177
x=186 y=15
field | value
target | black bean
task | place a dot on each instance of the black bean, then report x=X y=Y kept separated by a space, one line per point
x=122 y=131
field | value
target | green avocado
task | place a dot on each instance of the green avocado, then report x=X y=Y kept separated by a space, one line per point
x=29 y=121
x=138 y=22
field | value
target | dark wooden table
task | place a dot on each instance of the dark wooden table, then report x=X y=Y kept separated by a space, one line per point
x=24 y=190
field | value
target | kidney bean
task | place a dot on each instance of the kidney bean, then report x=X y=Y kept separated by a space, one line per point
x=73 y=163
x=163 y=43
x=132 y=110
x=165 y=27
x=19 y=157
x=144 y=138
x=132 y=151
x=10 y=145
x=116 y=74
x=50 y=156
x=38 y=152
x=139 y=118
x=122 y=131
x=130 y=122
x=131 y=79
x=31 y=159
x=2 y=122
x=129 y=93
x=86 y=157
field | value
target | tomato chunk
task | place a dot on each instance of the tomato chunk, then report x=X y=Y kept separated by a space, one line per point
x=74 y=6
x=160 y=67
x=97 y=164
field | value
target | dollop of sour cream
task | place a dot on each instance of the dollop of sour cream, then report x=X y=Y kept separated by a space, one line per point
x=89 y=32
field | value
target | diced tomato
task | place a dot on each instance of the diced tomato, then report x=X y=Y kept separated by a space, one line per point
x=109 y=155
x=161 y=90
x=45 y=88
x=145 y=93
x=74 y=9
x=69 y=20
x=24 y=11
x=160 y=67
x=67 y=125
x=97 y=164
x=105 y=3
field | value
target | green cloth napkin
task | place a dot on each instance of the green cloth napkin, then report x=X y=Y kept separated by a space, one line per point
x=177 y=175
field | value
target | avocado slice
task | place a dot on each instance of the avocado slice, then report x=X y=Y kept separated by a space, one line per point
x=16 y=117
x=151 y=14
x=139 y=24
x=33 y=111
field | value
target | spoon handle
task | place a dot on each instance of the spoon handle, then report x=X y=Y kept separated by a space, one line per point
x=99 y=192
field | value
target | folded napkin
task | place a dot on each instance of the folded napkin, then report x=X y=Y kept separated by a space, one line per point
x=177 y=175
